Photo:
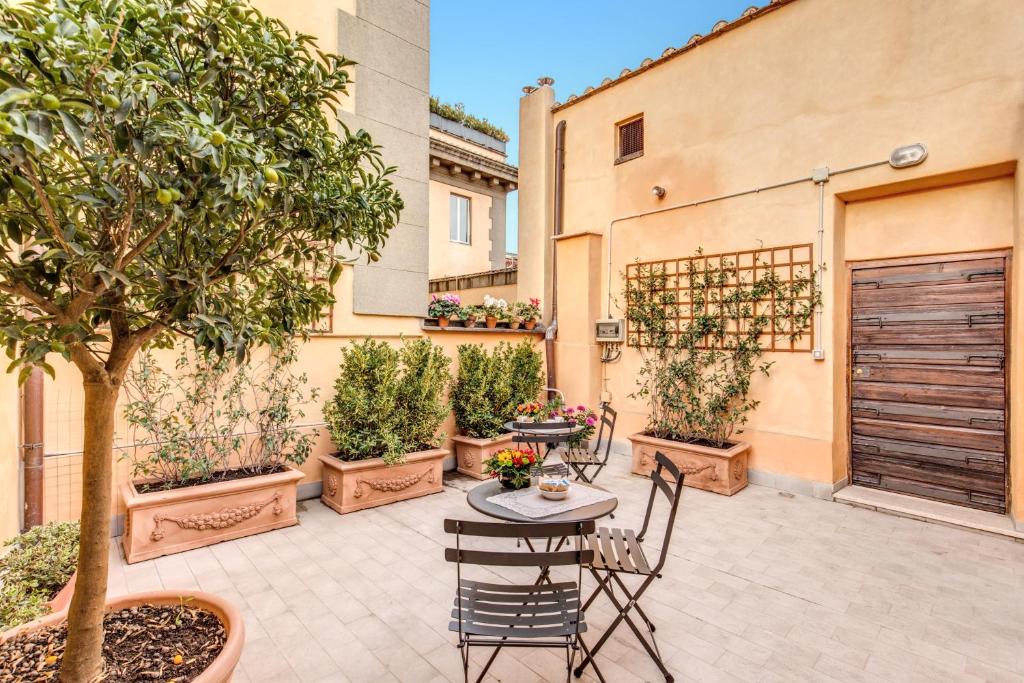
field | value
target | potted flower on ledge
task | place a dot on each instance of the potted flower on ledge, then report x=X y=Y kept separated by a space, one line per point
x=495 y=311
x=384 y=416
x=445 y=308
x=487 y=390
x=696 y=381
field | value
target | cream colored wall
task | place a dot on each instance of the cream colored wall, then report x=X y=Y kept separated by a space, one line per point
x=945 y=74
x=452 y=258
x=10 y=472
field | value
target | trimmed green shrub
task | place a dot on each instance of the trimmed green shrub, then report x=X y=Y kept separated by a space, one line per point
x=489 y=386
x=37 y=564
x=388 y=401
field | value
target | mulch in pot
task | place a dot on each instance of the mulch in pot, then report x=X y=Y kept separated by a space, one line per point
x=141 y=644
x=226 y=475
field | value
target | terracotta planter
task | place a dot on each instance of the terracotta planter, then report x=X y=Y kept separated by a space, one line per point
x=470 y=453
x=514 y=324
x=720 y=470
x=62 y=599
x=442 y=321
x=222 y=668
x=491 y=322
x=530 y=324
x=470 y=321
x=361 y=484
x=166 y=522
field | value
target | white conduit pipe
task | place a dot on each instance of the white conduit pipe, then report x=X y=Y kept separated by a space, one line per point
x=732 y=195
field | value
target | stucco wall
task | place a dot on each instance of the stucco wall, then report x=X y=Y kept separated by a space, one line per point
x=449 y=258
x=837 y=84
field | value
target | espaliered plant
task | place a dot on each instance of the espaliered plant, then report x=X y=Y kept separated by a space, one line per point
x=168 y=168
x=490 y=386
x=388 y=402
x=696 y=381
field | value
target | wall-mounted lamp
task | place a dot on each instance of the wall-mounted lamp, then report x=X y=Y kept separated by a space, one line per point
x=658 y=191
x=908 y=155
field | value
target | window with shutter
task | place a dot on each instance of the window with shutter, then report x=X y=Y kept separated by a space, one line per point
x=631 y=139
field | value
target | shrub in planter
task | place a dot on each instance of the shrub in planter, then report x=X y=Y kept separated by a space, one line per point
x=383 y=417
x=195 y=482
x=487 y=391
x=34 y=568
x=696 y=381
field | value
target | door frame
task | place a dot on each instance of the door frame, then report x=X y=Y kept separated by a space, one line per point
x=945 y=257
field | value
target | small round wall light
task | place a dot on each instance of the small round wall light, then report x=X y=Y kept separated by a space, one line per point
x=908 y=155
x=658 y=191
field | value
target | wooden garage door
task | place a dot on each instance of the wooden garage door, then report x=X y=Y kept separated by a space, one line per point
x=928 y=381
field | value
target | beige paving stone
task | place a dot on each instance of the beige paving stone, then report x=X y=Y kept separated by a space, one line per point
x=757 y=587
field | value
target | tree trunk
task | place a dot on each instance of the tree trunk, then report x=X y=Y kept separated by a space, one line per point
x=82 y=661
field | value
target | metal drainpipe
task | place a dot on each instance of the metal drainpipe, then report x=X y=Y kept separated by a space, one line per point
x=32 y=448
x=552 y=330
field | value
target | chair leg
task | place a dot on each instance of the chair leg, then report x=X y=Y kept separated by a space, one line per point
x=593 y=663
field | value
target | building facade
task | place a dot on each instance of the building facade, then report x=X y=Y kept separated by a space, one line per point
x=470 y=180
x=773 y=133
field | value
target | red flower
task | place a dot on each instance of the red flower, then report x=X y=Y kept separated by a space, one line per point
x=530 y=457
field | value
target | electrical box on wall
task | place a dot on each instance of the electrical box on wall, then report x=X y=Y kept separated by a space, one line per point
x=610 y=331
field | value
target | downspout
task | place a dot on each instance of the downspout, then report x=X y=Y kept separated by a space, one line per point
x=32 y=448
x=552 y=330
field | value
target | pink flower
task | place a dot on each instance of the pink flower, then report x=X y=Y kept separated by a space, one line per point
x=582 y=409
x=591 y=421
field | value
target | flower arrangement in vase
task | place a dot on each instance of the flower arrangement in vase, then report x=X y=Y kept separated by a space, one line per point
x=444 y=308
x=511 y=467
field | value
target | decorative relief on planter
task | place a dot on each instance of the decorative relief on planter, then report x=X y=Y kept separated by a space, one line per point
x=721 y=470
x=471 y=453
x=224 y=519
x=332 y=485
x=467 y=460
x=395 y=484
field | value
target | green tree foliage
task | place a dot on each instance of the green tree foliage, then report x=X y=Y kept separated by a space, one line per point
x=489 y=386
x=388 y=401
x=696 y=381
x=168 y=167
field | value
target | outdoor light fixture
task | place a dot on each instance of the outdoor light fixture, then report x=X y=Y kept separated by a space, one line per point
x=658 y=191
x=908 y=155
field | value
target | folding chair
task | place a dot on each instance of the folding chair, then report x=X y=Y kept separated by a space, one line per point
x=581 y=460
x=541 y=614
x=618 y=551
x=539 y=436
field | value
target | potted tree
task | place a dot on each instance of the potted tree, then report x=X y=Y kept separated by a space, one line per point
x=696 y=381
x=444 y=308
x=488 y=389
x=168 y=168
x=384 y=416
x=196 y=481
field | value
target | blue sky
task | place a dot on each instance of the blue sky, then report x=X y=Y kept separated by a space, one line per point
x=483 y=52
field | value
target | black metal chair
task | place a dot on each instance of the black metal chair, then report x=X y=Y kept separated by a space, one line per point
x=542 y=437
x=618 y=551
x=581 y=460
x=541 y=614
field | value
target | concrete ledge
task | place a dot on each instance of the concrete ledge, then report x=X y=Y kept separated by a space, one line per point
x=929 y=511
x=791 y=484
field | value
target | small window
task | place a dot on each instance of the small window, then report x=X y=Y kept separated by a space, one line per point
x=631 y=139
x=458 y=219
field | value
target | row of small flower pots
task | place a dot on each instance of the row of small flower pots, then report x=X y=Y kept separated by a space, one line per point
x=490 y=322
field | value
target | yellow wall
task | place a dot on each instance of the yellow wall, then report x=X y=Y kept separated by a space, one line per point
x=476 y=296
x=452 y=258
x=10 y=473
x=747 y=110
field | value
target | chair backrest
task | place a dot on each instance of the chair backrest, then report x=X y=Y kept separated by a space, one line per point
x=608 y=417
x=668 y=480
x=517 y=558
x=539 y=432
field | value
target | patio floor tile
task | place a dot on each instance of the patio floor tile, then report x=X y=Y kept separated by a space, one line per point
x=758 y=587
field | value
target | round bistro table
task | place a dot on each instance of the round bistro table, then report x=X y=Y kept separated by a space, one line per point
x=478 y=495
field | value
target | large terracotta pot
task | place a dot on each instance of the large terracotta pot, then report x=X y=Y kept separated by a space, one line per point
x=720 y=470
x=470 y=453
x=222 y=668
x=166 y=522
x=361 y=484
x=62 y=599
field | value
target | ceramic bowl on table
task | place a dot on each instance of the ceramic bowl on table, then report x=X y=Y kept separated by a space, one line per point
x=554 y=489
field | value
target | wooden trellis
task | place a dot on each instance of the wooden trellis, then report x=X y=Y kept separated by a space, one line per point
x=790 y=263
